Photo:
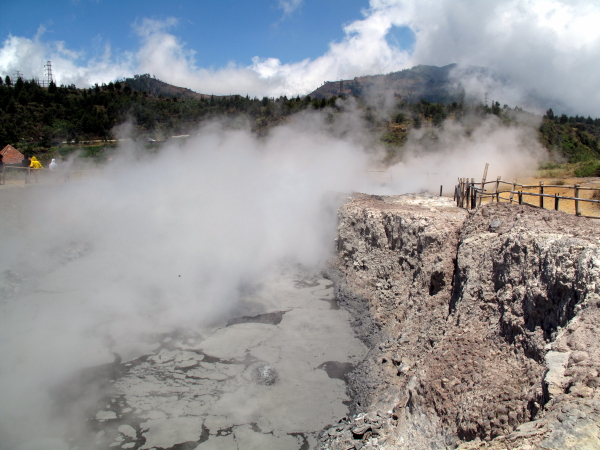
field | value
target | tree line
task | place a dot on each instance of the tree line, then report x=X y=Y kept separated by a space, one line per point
x=42 y=117
x=36 y=118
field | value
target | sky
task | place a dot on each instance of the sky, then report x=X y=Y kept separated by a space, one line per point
x=543 y=53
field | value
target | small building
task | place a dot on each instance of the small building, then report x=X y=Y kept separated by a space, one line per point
x=11 y=155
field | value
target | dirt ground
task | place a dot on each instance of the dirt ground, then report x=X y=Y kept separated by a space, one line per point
x=552 y=186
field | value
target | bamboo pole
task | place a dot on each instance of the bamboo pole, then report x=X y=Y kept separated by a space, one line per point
x=577 y=210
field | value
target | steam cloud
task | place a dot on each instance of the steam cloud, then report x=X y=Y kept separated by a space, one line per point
x=156 y=242
x=543 y=53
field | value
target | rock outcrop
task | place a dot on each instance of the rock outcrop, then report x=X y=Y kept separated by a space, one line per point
x=483 y=326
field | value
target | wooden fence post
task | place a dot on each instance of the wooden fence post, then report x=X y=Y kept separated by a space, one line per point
x=556 y=199
x=512 y=192
x=468 y=196
x=577 y=210
x=482 y=184
x=467 y=193
x=496 y=190
x=520 y=198
x=541 y=192
x=441 y=190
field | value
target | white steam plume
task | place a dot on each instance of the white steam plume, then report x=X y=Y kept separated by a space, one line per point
x=433 y=158
x=157 y=242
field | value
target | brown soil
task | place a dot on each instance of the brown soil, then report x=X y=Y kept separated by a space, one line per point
x=586 y=208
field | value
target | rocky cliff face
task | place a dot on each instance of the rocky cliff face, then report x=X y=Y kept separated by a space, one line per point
x=483 y=326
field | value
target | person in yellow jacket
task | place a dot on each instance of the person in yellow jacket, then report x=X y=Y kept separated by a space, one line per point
x=35 y=164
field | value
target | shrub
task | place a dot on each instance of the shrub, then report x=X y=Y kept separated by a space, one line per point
x=589 y=169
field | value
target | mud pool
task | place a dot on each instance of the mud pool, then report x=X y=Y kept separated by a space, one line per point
x=271 y=375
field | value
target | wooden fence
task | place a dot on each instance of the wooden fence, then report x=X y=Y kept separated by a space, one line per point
x=469 y=194
x=26 y=175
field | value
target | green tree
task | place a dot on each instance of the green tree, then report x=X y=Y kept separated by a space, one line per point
x=496 y=108
x=417 y=121
x=550 y=114
x=19 y=85
x=7 y=81
x=52 y=88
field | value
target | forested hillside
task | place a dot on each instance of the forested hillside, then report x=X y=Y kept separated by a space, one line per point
x=576 y=139
x=37 y=117
x=41 y=120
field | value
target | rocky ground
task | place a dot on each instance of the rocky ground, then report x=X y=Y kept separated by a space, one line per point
x=482 y=326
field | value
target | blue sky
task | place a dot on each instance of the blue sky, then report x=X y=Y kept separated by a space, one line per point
x=218 y=31
x=546 y=49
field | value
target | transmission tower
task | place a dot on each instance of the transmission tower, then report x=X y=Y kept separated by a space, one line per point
x=486 y=96
x=48 y=71
x=18 y=75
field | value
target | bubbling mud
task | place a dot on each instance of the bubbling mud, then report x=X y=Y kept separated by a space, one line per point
x=263 y=379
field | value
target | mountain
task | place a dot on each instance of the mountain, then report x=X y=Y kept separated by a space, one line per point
x=157 y=88
x=430 y=83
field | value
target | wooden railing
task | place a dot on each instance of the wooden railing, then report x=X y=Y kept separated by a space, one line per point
x=469 y=194
x=27 y=175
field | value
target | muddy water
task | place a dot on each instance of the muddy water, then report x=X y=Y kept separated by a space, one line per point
x=271 y=375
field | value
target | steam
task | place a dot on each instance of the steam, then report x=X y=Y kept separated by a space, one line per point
x=156 y=242
x=433 y=158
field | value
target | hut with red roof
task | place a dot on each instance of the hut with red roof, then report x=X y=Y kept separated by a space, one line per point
x=11 y=155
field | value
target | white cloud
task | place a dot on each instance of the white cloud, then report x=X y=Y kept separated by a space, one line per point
x=289 y=6
x=30 y=55
x=547 y=47
x=544 y=49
